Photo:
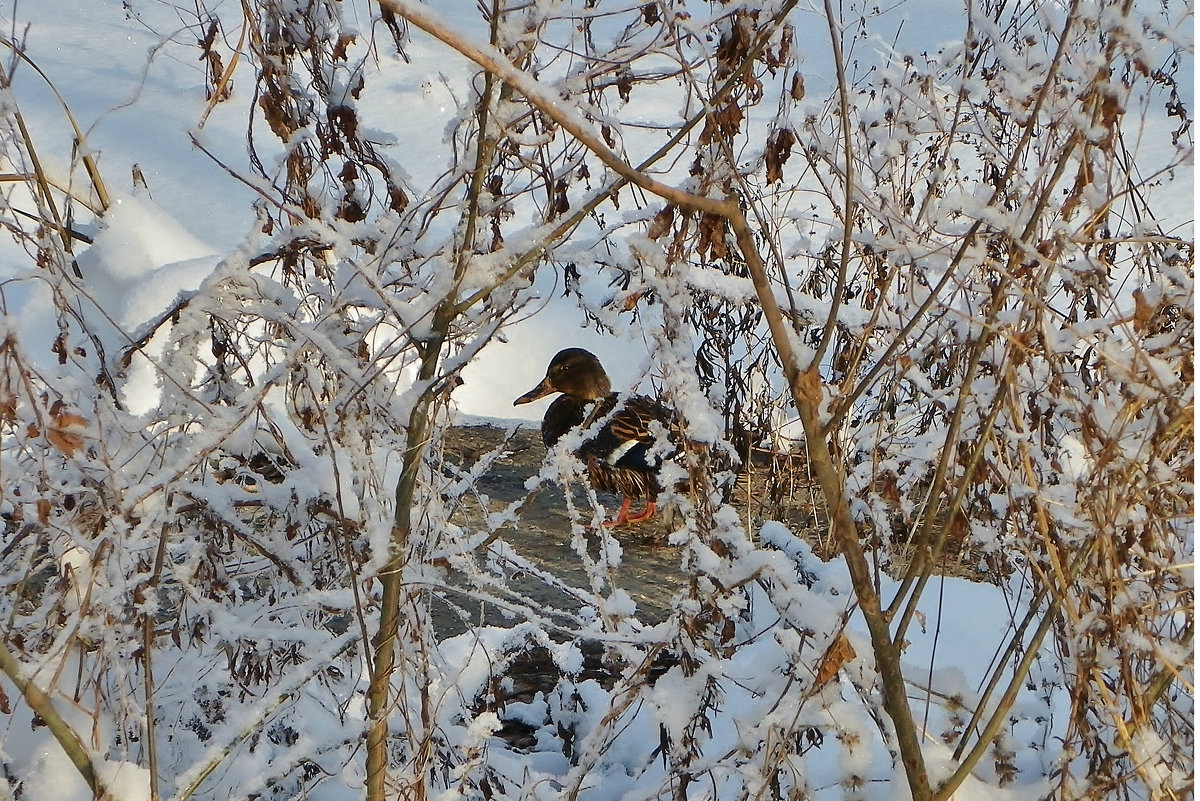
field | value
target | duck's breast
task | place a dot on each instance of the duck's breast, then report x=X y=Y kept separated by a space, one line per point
x=562 y=415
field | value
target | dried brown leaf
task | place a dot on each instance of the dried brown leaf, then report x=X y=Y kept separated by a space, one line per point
x=59 y=433
x=960 y=529
x=65 y=441
x=839 y=652
x=779 y=150
x=889 y=488
x=497 y=234
x=606 y=132
x=797 y=89
x=67 y=419
x=724 y=122
x=561 y=204
x=777 y=58
x=711 y=231
x=342 y=46
x=661 y=223
x=625 y=85
x=1142 y=310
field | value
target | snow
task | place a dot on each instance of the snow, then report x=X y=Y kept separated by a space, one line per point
x=157 y=247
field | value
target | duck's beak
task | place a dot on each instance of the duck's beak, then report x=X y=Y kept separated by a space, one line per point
x=540 y=391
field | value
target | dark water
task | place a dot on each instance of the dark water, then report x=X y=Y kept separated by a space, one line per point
x=648 y=568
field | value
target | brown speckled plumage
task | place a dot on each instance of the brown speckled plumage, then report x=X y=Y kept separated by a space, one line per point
x=624 y=455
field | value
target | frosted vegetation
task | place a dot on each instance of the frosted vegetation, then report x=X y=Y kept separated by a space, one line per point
x=948 y=276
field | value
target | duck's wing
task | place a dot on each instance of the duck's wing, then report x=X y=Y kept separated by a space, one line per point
x=635 y=421
x=631 y=438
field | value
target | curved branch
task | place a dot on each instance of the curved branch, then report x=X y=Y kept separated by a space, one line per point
x=39 y=701
x=550 y=103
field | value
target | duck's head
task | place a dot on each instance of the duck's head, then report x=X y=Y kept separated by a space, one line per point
x=574 y=372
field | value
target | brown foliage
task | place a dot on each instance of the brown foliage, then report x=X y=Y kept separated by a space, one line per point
x=779 y=149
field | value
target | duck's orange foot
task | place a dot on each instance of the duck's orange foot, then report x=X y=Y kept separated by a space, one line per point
x=624 y=517
x=644 y=515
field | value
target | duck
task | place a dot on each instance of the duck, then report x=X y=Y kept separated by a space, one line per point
x=624 y=456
